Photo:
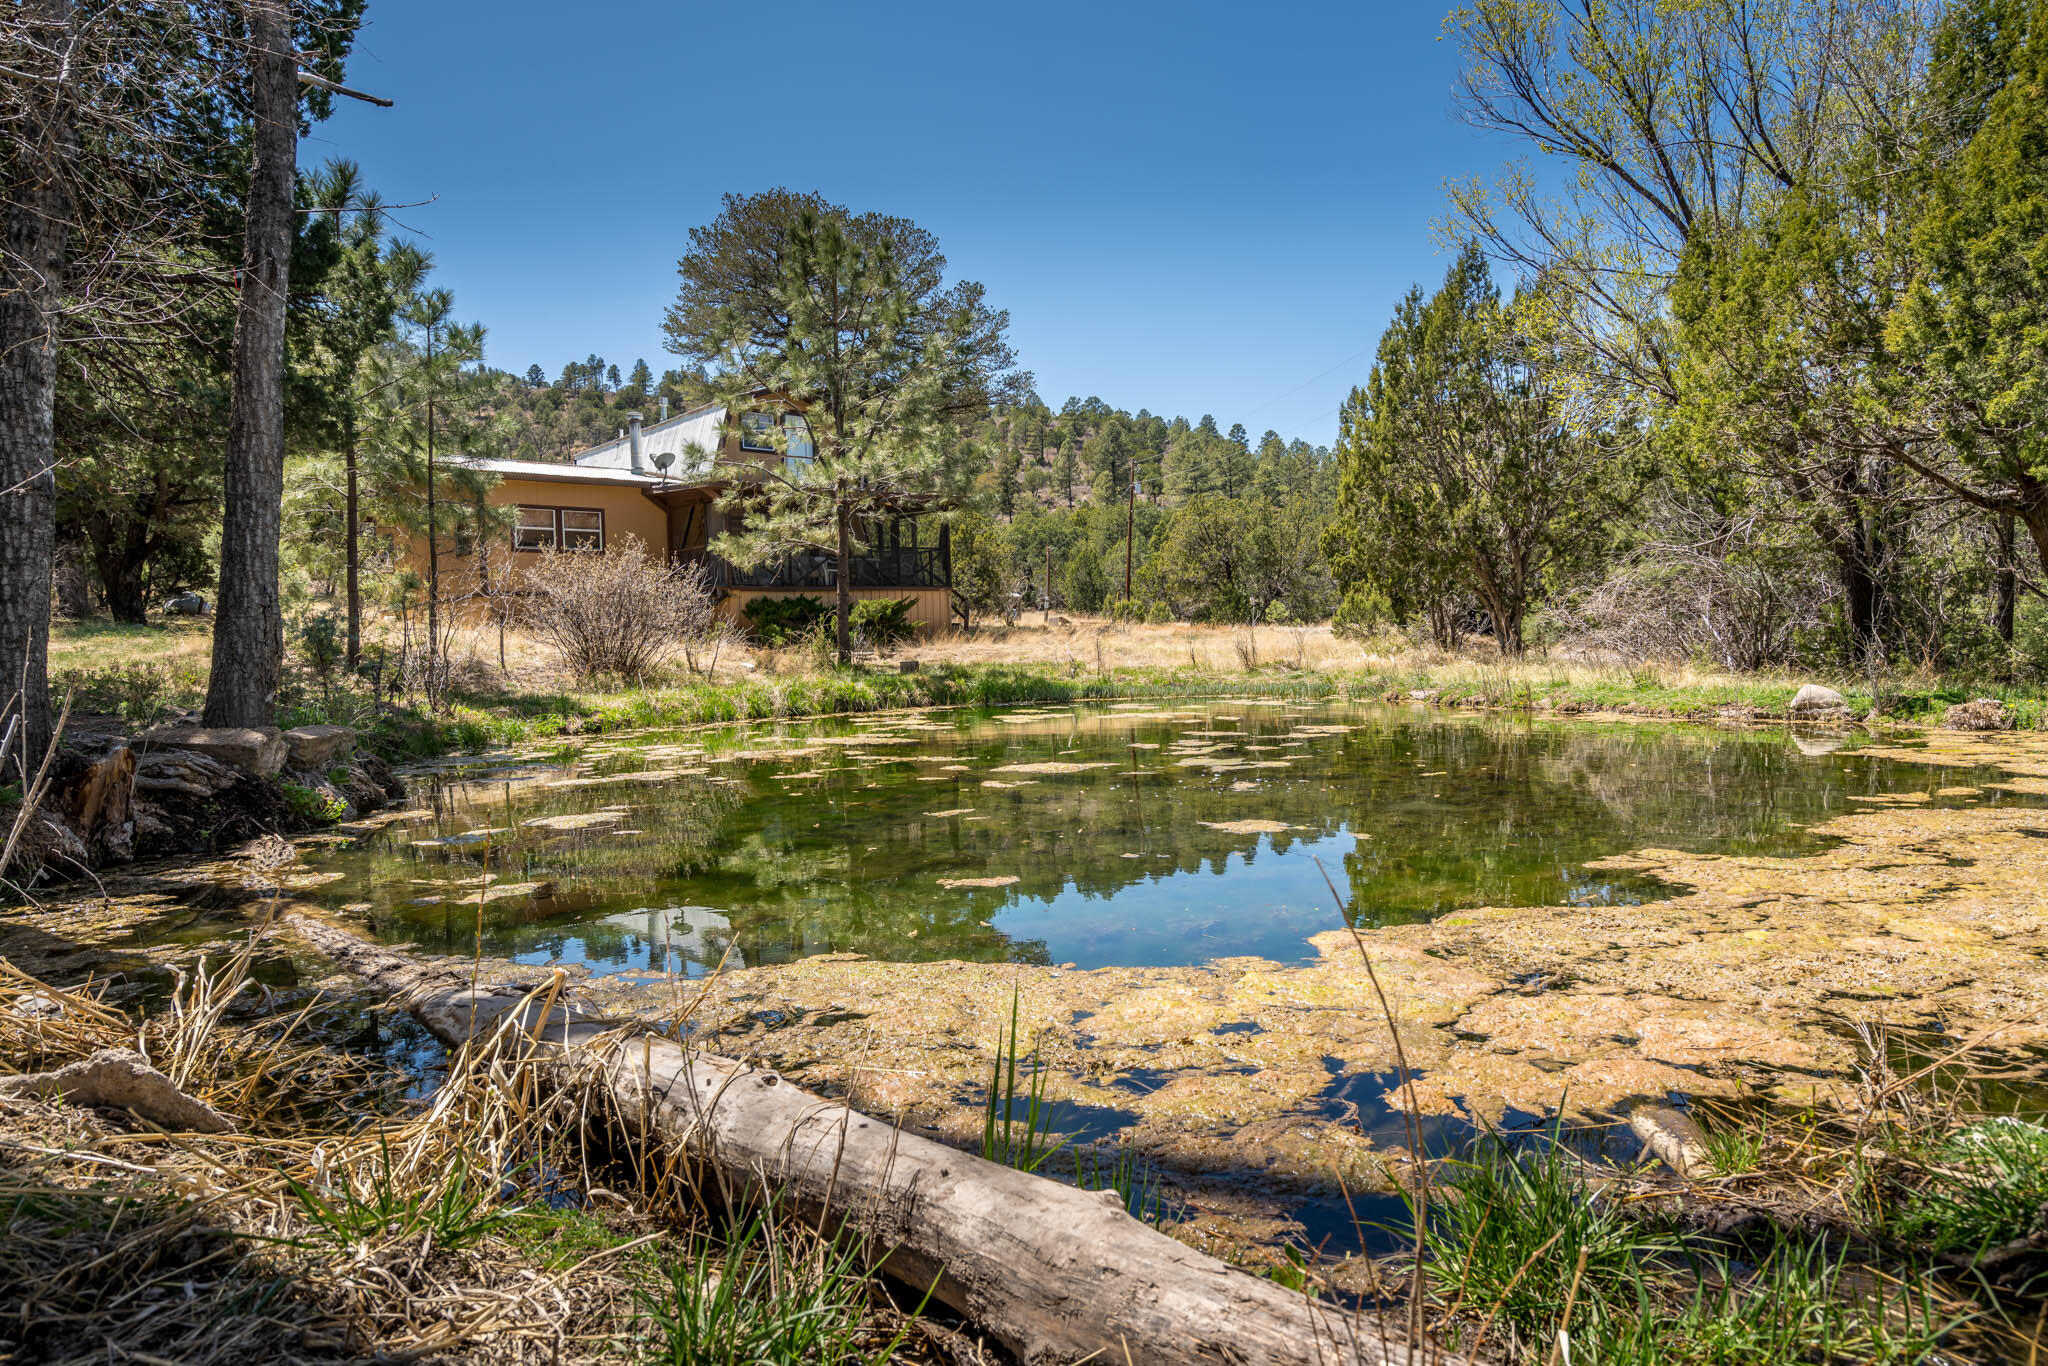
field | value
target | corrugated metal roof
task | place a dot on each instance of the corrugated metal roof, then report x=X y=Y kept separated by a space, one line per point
x=550 y=470
x=699 y=427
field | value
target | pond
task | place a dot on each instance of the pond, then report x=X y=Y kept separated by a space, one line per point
x=1125 y=835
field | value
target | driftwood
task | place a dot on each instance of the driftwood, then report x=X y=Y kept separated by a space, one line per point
x=1053 y=1273
x=1673 y=1137
x=121 y=1079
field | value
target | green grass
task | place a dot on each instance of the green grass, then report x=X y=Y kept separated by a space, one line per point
x=144 y=674
x=1991 y=1189
x=1021 y=1141
x=760 y=1297
x=375 y=1208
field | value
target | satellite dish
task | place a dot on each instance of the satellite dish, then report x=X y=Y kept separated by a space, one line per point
x=663 y=459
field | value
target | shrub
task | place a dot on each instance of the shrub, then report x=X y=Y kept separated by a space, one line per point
x=882 y=622
x=784 y=621
x=614 y=613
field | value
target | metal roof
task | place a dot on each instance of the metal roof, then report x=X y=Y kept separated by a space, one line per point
x=571 y=474
x=699 y=428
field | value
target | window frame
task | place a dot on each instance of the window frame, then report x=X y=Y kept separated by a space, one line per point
x=769 y=423
x=557 y=530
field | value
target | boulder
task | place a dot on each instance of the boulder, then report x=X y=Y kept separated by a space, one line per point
x=254 y=749
x=318 y=747
x=1983 y=713
x=1815 y=700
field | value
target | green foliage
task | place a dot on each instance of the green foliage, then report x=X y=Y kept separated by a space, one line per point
x=1022 y=1141
x=783 y=620
x=756 y=1300
x=320 y=642
x=981 y=566
x=847 y=322
x=883 y=622
x=311 y=805
x=376 y=1208
x=1994 y=1189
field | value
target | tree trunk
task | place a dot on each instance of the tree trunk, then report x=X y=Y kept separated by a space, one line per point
x=2005 y=606
x=433 y=561
x=248 y=632
x=845 y=576
x=1053 y=1273
x=38 y=209
x=353 y=554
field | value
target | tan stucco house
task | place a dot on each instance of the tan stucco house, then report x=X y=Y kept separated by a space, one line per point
x=657 y=484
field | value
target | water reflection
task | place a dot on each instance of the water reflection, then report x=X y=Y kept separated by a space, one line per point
x=1089 y=836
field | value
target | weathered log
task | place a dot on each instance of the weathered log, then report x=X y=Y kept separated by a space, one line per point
x=1671 y=1136
x=121 y=1079
x=1053 y=1273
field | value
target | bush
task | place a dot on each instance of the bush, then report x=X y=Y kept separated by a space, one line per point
x=1158 y=613
x=780 y=621
x=614 y=613
x=882 y=622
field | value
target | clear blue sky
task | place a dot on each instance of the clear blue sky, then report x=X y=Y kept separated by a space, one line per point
x=1185 y=207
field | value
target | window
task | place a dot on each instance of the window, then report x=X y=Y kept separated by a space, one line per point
x=535 y=530
x=796 y=440
x=582 y=529
x=754 y=431
x=569 y=528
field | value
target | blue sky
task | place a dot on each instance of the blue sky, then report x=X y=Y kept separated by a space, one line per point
x=1188 y=208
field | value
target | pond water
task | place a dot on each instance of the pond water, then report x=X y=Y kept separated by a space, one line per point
x=1093 y=836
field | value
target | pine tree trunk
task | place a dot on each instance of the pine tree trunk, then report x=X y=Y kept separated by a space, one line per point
x=353 y=555
x=248 y=633
x=31 y=289
x=845 y=574
x=433 y=565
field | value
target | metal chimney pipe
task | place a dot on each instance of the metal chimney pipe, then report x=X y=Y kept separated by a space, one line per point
x=633 y=442
x=664 y=407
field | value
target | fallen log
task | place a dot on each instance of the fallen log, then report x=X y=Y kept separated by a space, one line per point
x=1053 y=1273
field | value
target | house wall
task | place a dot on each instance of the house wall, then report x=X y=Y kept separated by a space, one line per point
x=628 y=514
x=931 y=608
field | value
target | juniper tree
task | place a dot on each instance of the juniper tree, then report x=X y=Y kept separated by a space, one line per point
x=846 y=319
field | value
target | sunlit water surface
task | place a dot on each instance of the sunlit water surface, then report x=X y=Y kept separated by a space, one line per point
x=1133 y=835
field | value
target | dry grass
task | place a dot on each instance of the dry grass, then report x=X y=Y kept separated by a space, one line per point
x=344 y=1219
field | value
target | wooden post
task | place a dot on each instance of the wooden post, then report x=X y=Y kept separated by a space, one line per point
x=1048 y=583
x=1130 y=528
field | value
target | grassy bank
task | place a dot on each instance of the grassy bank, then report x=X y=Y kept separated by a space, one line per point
x=139 y=675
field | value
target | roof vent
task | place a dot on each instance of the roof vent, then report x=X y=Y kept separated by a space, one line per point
x=664 y=407
x=633 y=442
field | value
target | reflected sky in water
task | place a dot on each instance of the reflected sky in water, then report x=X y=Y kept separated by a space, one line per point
x=1090 y=835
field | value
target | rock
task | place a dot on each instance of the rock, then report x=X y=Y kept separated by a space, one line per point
x=254 y=749
x=907 y=666
x=186 y=773
x=1983 y=713
x=1815 y=700
x=316 y=748
x=186 y=605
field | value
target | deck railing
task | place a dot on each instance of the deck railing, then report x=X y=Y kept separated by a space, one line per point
x=879 y=567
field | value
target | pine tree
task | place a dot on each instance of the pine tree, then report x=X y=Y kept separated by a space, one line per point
x=854 y=329
x=536 y=378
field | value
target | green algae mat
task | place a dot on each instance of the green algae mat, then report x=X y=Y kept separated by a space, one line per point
x=1094 y=837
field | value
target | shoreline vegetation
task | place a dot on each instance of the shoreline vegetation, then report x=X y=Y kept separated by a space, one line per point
x=143 y=675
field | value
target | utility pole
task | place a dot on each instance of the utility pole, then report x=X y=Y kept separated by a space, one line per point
x=433 y=541
x=1048 y=583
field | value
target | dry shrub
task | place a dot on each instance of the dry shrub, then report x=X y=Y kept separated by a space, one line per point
x=616 y=613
